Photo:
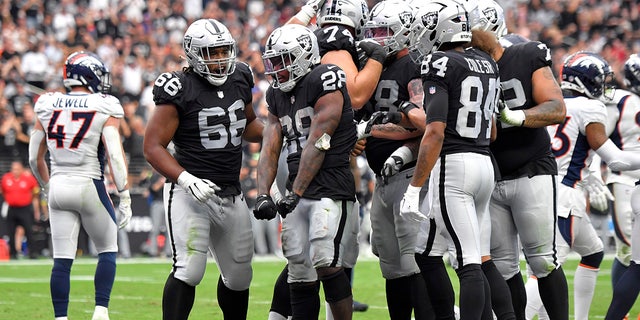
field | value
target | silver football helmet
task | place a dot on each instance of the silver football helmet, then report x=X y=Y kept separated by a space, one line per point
x=436 y=23
x=352 y=13
x=292 y=48
x=210 y=50
x=492 y=18
x=389 y=25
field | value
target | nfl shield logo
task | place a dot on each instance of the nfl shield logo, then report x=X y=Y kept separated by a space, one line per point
x=293 y=99
x=430 y=20
x=432 y=90
x=220 y=94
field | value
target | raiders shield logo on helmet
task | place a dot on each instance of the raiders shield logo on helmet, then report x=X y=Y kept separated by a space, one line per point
x=491 y=14
x=305 y=42
x=430 y=20
x=406 y=18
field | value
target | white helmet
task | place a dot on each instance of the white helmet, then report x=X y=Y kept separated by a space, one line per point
x=389 y=25
x=293 y=48
x=352 y=13
x=493 y=18
x=436 y=23
x=203 y=40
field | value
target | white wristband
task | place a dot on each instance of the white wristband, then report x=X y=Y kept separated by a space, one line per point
x=305 y=14
x=411 y=190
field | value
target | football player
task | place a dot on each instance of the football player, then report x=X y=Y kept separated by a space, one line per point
x=461 y=92
x=80 y=126
x=309 y=109
x=392 y=159
x=340 y=24
x=534 y=100
x=585 y=78
x=625 y=133
x=206 y=111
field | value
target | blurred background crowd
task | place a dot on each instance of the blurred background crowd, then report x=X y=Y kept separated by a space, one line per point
x=139 y=39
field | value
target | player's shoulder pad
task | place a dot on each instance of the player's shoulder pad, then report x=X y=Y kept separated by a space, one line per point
x=168 y=87
x=243 y=69
x=435 y=64
x=110 y=105
x=537 y=52
x=44 y=101
x=327 y=76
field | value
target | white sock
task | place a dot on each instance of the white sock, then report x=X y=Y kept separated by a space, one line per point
x=584 y=284
x=328 y=308
x=62 y=318
x=275 y=316
x=101 y=313
x=534 y=303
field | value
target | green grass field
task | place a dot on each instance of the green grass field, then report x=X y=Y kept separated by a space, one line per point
x=137 y=293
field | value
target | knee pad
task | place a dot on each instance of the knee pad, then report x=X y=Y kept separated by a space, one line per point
x=336 y=286
x=623 y=251
x=191 y=276
x=239 y=278
x=405 y=266
x=593 y=260
x=541 y=266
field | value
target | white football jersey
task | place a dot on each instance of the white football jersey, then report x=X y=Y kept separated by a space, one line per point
x=569 y=141
x=623 y=128
x=73 y=123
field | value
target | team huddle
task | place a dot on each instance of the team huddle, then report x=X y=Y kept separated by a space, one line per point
x=479 y=155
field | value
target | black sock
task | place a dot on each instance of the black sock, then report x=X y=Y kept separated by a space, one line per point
x=554 y=294
x=398 y=298
x=305 y=300
x=472 y=292
x=439 y=287
x=234 y=304
x=281 y=299
x=177 y=299
x=422 y=308
x=518 y=295
x=500 y=294
x=625 y=293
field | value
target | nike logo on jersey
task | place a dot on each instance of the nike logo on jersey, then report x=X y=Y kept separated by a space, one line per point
x=409 y=176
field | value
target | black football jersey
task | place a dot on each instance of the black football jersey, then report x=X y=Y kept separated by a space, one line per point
x=471 y=80
x=295 y=110
x=334 y=38
x=391 y=90
x=522 y=151
x=208 y=140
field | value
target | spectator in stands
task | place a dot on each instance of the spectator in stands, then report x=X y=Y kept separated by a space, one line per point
x=21 y=192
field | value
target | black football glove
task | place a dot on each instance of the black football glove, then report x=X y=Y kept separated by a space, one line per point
x=373 y=50
x=392 y=117
x=265 y=208
x=287 y=204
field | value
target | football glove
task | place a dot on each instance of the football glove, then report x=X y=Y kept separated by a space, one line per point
x=201 y=189
x=124 y=209
x=599 y=194
x=511 y=117
x=373 y=50
x=287 y=204
x=309 y=10
x=265 y=208
x=410 y=204
x=396 y=161
x=363 y=129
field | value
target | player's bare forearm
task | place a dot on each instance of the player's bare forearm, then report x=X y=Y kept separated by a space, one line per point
x=430 y=148
x=393 y=132
x=547 y=93
x=269 y=154
x=328 y=112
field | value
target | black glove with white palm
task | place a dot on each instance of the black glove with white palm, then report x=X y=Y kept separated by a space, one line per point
x=372 y=50
x=288 y=203
x=201 y=189
x=265 y=208
x=396 y=161
x=363 y=129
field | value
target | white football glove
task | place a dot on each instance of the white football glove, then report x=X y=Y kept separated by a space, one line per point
x=511 y=117
x=396 y=161
x=363 y=128
x=410 y=205
x=124 y=209
x=599 y=194
x=309 y=10
x=201 y=189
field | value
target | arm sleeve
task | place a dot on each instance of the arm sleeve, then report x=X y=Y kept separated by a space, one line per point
x=34 y=147
x=618 y=160
x=116 y=156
